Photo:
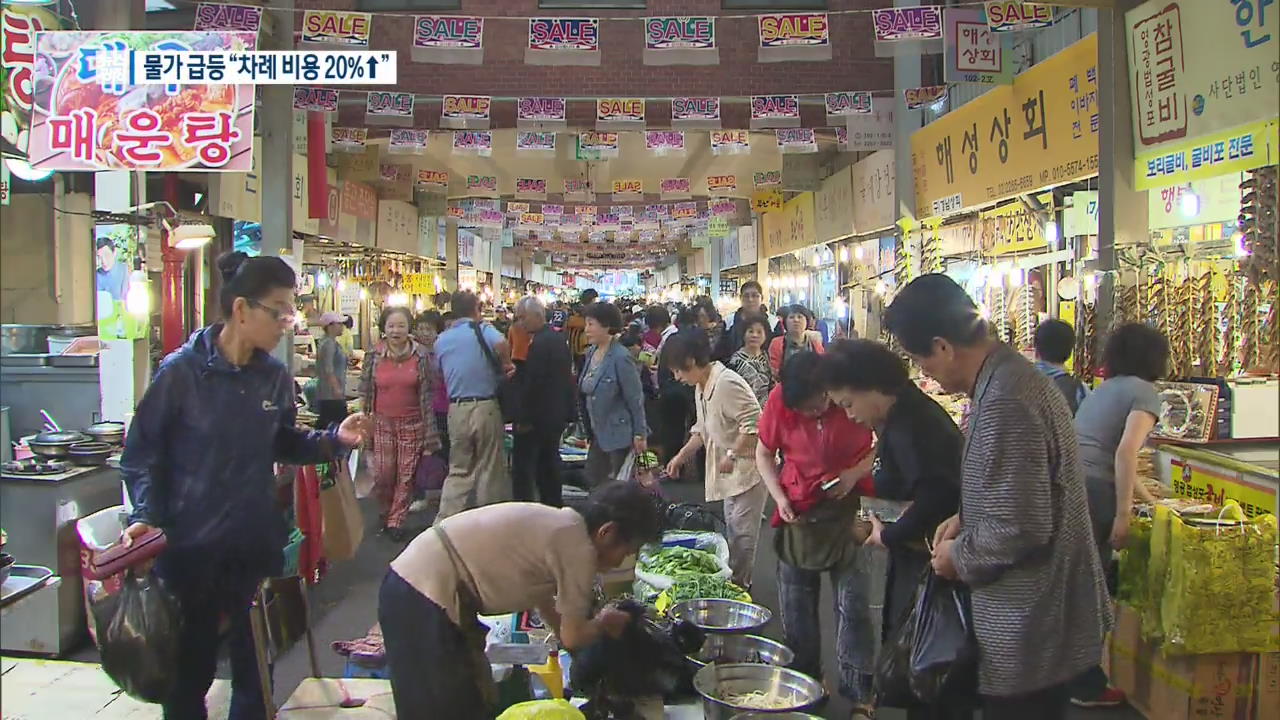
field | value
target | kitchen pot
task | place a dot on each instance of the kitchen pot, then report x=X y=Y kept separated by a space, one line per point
x=24 y=339
x=108 y=431
x=720 y=685
x=55 y=444
x=730 y=648
x=90 y=453
x=722 y=616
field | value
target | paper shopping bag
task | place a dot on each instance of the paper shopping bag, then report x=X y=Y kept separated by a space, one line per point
x=343 y=523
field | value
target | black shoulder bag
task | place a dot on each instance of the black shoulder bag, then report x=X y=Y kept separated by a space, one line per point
x=507 y=390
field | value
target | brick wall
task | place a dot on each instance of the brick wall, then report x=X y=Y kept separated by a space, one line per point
x=622 y=72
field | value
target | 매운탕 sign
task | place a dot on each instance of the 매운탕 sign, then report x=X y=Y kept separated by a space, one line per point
x=82 y=123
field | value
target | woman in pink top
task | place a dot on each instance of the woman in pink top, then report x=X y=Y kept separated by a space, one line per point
x=799 y=337
x=399 y=386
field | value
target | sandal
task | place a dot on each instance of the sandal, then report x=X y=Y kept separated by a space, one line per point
x=863 y=712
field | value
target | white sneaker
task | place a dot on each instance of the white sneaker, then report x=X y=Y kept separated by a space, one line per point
x=419 y=505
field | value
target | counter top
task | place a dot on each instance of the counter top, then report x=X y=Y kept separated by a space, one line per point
x=72 y=474
x=1257 y=458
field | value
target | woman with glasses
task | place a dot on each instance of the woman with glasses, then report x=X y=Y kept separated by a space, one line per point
x=198 y=464
x=398 y=386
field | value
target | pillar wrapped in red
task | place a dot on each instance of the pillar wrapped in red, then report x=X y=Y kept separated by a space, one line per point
x=317 y=173
x=310 y=519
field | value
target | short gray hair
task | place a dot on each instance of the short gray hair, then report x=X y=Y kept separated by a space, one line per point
x=530 y=303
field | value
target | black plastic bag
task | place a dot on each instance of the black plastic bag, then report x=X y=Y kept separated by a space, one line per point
x=892 y=685
x=138 y=630
x=647 y=660
x=943 y=650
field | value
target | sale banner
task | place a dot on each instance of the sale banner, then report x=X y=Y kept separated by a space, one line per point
x=695 y=113
x=388 y=108
x=721 y=184
x=797 y=140
x=608 y=222
x=794 y=36
x=473 y=142
x=312 y=99
x=466 y=112
x=531 y=188
x=448 y=39
x=723 y=207
x=623 y=211
x=767 y=178
x=628 y=189
x=908 y=30
x=841 y=105
x=680 y=41
x=325 y=29
x=974 y=52
x=532 y=220
x=231 y=18
x=434 y=181
x=541 y=113
x=664 y=143
x=563 y=41
x=596 y=145
x=577 y=189
x=676 y=188
x=619 y=113
x=582 y=210
x=1007 y=16
x=658 y=212
x=684 y=211
x=517 y=208
x=536 y=142
x=482 y=184
x=457 y=212
x=730 y=142
x=408 y=142
x=842 y=138
x=917 y=98
x=349 y=139
x=83 y=121
x=774 y=111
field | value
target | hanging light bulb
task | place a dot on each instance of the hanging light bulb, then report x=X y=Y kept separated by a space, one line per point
x=1016 y=278
x=1051 y=233
x=137 y=300
x=342 y=285
x=322 y=279
x=1237 y=242
x=364 y=293
x=844 y=254
x=857 y=253
x=802 y=296
x=418 y=305
x=881 y=288
x=1189 y=203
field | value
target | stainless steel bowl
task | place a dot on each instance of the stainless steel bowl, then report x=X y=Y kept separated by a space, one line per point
x=726 y=648
x=713 y=682
x=722 y=616
x=764 y=715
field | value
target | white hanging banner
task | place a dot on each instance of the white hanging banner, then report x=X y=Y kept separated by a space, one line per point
x=613 y=114
x=388 y=108
x=730 y=142
x=408 y=142
x=531 y=188
x=695 y=113
x=539 y=144
x=563 y=41
x=908 y=30
x=841 y=105
x=473 y=142
x=448 y=39
x=775 y=111
x=797 y=140
x=680 y=41
x=664 y=143
x=541 y=113
x=578 y=190
x=676 y=188
x=466 y=112
x=794 y=36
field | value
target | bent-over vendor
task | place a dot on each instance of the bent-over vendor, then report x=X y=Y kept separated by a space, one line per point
x=499 y=559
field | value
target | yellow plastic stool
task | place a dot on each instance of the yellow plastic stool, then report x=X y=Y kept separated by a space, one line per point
x=550 y=674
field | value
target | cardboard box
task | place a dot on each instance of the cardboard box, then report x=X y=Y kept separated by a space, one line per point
x=1186 y=687
x=1268 y=695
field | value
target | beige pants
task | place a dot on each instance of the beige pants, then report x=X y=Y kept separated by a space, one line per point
x=742 y=518
x=477 y=463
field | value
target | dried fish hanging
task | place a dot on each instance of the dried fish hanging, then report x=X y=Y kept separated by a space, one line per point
x=1228 y=323
x=1249 y=328
x=930 y=251
x=1000 y=311
x=1155 y=305
x=1126 y=306
x=1269 y=333
x=1024 y=315
x=1087 y=340
x=1202 y=319
x=1257 y=221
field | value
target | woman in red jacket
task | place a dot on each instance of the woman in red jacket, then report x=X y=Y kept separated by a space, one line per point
x=799 y=337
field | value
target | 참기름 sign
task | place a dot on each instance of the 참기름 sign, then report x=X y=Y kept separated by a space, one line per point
x=1039 y=131
x=80 y=122
x=1204 y=87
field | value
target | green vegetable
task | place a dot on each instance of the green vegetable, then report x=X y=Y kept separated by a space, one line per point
x=701 y=587
x=678 y=561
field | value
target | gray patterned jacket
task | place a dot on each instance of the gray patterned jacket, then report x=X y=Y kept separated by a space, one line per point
x=1026 y=546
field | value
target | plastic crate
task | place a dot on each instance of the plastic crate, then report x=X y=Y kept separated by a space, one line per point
x=292 y=552
x=354 y=669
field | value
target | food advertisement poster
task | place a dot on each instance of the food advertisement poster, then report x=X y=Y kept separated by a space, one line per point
x=433 y=180
x=563 y=41
x=345 y=30
x=388 y=108
x=234 y=18
x=1014 y=139
x=1010 y=15
x=448 y=39
x=1204 y=83
x=721 y=184
x=730 y=142
x=769 y=111
x=313 y=99
x=80 y=123
x=797 y=140
x=349 y=139
x=664 y=142
x=680 y=41
x=115 y=250
x=18 y=27
x=473 y=142
x=412 y=142
x=695 y=112
x=923 y=22
x=794 y=36
x=466 y=111
x=974 y=52
x=536 y=142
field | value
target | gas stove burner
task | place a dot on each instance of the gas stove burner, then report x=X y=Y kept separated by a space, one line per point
x=36 y=466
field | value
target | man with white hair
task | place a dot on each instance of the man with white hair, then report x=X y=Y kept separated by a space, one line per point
x=544 y=406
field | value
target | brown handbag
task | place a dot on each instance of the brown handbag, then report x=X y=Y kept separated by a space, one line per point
x=105 y=563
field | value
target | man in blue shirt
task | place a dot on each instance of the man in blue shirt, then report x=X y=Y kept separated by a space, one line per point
x=1054 y=341
x=477 y=465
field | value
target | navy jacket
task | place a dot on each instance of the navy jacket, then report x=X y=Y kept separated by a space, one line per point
x=198 y=459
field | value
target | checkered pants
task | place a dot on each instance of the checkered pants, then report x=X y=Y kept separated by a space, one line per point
x=397 y=446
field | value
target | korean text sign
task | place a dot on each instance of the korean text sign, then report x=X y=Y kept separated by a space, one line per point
x=1197 y=70
x=1040 y=131
x=81 y=123
x=791 y=228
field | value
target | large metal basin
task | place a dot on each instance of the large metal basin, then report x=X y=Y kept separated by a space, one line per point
x=715 y=682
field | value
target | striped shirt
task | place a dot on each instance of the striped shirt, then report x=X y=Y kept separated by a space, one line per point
x=1026 y=547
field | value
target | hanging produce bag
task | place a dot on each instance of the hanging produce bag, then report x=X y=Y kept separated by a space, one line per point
x=892 y=682
x=944 y=653
x=1134 y=561
x=1219 y=595
x=138 y=631
x=343 y=523
x=1157 y=572
x=542 y=710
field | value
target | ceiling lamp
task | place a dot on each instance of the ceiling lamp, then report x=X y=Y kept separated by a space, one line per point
x=192 y=237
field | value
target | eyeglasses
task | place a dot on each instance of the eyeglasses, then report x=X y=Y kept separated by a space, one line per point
x=276 y=313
